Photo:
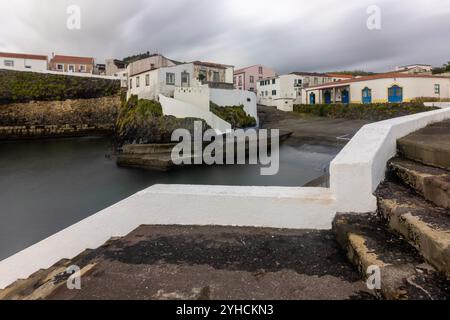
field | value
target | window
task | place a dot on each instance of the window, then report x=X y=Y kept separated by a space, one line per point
x=366 y=95
x=185 y=79
x=260 y=70
x=147 y=80
x=138 y=82
x=273 y=81
x=437 y=88
x=216 y=76
x=274 y=92
x=60 y=67
x=240 y=81
x=82 y=68
x=71 y=68
x=170 y=78
x=131 y=83
x=9 y=63
x=261 y=83
x=252 y=79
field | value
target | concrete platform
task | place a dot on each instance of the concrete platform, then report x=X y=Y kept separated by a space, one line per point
x=195 y=263
x=430 y=145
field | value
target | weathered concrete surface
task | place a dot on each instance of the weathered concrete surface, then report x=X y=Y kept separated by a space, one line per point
x=425 y=226
x=431 y=183
x=404 y=273
x=171 y=262
x=430 y=145
x=312 y=130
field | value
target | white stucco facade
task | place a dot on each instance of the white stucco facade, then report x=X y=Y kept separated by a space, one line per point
x=412 y=86
x=23 y=64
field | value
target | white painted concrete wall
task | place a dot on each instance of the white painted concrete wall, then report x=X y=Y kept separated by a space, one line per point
x=360 y=167
x=181 y=109
x=223 y=98
x=199 y=96
x=298 y=208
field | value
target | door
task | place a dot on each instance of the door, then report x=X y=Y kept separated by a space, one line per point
x=185 y=79
x=345 y=96
x=312 y=98
x=395 y=94
x=327 y=97
x=366 y=96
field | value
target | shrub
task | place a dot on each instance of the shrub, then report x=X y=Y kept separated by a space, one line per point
x=19 y=86
x=235 y=115
x=372 y=112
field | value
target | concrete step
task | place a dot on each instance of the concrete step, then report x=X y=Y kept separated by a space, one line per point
x=404 y=273
x=424 y=225
x=430 y=146
x=430 y=182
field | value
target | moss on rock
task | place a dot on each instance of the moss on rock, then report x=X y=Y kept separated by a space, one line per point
x=235 y=115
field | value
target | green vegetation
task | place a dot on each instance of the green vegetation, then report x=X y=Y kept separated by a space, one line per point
x=16 y=86
x=443 y=69
x=235 y=115
x=142 y=121
x=372 y=112
x=136 y=57
x=430 y=99
x=354 y=73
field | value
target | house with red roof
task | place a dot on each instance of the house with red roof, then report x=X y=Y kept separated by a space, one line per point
x=72 y=64
x=23 y=61
x=379 y=88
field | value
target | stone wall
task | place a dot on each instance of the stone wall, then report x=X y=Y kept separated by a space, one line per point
x=45 y=119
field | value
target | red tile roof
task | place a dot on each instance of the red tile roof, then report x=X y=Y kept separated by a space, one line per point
x=23 y=56
x=71 y=59
x=373 y=77
x=338 y=75
x=211 y=64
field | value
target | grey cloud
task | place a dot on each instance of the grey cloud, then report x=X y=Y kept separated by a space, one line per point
x=314 y=36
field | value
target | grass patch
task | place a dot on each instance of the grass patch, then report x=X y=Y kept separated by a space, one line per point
x=18 y=86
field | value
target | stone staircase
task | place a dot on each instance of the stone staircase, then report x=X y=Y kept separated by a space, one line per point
x=409 y=237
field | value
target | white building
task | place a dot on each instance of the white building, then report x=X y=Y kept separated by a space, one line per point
x=286 y=90
x=23 y=62
x=186 y=90
x=415 y=69
x=380 y=88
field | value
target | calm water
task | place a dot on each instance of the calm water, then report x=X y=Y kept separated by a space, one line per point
x=46 y=186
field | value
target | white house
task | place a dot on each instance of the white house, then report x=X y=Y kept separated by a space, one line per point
x=380 y=88
x=186 y=90
x=415 y=69
x=286 y=90
x=23 y=62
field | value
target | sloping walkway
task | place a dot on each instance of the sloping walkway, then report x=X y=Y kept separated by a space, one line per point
x=172 y=262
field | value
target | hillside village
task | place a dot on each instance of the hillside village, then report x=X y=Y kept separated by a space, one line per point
x=186 y=89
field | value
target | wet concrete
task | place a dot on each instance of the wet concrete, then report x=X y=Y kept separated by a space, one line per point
x=172 y=262
x=309 y=129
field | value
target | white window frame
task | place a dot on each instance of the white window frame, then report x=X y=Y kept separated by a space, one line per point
x=170 y=78
x=147 y=80
x=9 y=63
x=138 y=82
x=83 y=68
x=70 y=66
x=58 y=65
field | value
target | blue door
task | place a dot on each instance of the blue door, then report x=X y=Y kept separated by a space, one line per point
x=366 y=95
x=312 y=98
x=345 y=96
x=395 y=94
x=327 y=96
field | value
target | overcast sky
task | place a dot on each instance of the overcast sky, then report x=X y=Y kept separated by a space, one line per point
x=288 y=35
